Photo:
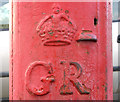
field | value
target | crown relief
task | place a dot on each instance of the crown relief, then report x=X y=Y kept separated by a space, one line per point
x=56 y=29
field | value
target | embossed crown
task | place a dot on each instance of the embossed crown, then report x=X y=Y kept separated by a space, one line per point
x=56 y=29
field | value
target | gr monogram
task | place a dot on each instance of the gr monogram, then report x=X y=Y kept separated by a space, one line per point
x=50 y=78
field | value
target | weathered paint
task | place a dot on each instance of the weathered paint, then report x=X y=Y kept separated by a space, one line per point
x=61 y=51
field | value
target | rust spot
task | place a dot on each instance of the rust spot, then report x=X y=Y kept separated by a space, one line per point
x=82 y=91
x=49 y=72
x=51 y=78
x=106 y=97
x=87 y=52
x=43 y=13
x=66 y=11
x=64 y=76
x=66 y=93
x=58 y=41
x=77 y=65
x=103 y=85
x=58 y=11
x=70 y=22
x=36 y=22
x=61 y=62
x=65 y=90
x=106 y=70
x=88 y=31
x=52 y=16
x=105 y=88
x=51 y=32
x=97 y=87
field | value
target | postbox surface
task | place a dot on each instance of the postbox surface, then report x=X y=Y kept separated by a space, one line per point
x=61 y=51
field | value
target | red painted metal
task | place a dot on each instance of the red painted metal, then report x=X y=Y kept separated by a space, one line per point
x=61 y=51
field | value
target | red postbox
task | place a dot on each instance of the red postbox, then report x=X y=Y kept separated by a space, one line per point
x=61 y=51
